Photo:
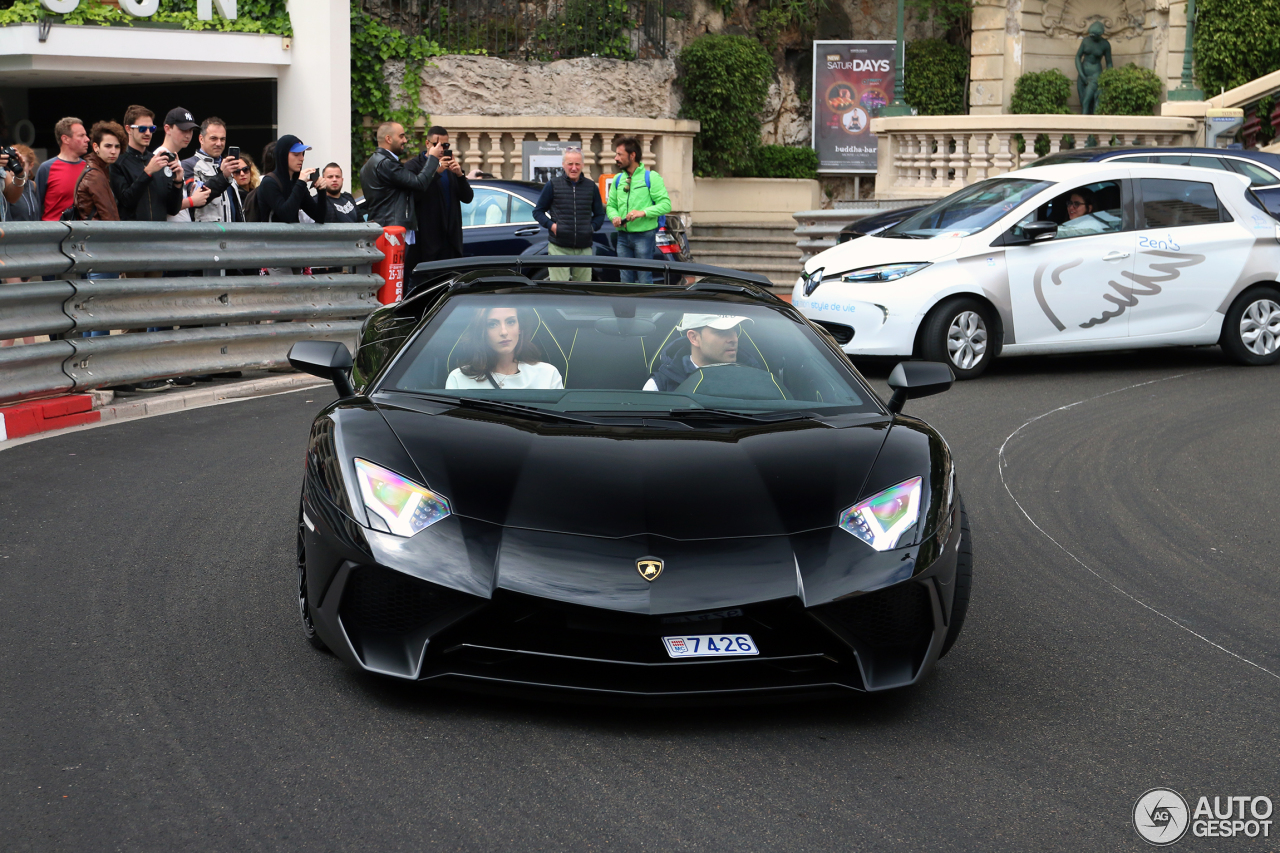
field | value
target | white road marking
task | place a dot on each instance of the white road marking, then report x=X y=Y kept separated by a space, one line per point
x=1002 y=464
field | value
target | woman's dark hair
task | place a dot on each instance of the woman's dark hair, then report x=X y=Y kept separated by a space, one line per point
x=478 y=360
x=1086 y=195
x=269 y=158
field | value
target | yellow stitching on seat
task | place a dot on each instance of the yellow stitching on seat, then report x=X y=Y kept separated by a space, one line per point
x=569 y=360
x=543 y=325
x=702 y=374
x=819 y=393
x=658 y=351
x=757 y=349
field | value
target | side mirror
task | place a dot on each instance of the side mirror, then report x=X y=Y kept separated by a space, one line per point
x=1041 y=229
x=327 y=359
x=913 y=379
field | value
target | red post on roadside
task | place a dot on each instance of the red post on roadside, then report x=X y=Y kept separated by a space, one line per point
x=391 y=267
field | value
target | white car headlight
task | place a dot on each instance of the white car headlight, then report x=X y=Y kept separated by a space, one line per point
x=395 y=504
x=889 y=519
x=884 y=272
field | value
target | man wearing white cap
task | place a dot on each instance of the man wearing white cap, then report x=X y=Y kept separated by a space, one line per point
x=707 y=339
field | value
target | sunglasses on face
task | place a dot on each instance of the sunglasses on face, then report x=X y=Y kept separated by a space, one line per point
x=243 y=171
x=143 y=128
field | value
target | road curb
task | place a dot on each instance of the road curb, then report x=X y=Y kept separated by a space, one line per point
x=44 y=418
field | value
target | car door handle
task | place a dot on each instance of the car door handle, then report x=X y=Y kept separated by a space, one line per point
x=528 y=232
x=1115 y=256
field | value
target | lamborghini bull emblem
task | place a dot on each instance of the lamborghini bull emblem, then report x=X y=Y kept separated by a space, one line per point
x=649 y=568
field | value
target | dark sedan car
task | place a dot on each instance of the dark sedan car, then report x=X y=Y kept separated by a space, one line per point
x=637 y=492
x=1261 y=168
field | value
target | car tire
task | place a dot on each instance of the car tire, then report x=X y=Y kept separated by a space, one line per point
x=964 y=579
x=958 y=333
x=304 y=602
x=1251 y=330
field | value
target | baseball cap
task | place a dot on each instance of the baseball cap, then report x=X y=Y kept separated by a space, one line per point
x=715 y=321
x=180 y=118
x=298 y=148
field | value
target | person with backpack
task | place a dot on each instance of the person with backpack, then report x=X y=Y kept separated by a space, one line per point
x=94 y=198
x=56 y=178
x=287 y=190
x=637 y=200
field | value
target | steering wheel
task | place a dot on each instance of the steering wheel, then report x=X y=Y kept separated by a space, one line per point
x=732 y=380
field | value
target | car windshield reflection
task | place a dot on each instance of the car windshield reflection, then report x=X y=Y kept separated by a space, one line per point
x=968 y=211
x=626 y=354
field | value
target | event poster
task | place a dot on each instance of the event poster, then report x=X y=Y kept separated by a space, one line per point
x=544 y=160
x=852 y=82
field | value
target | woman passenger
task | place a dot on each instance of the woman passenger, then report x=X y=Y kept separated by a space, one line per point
x=496 y=354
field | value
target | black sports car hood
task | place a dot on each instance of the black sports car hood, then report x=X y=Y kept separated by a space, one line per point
x=616 y=481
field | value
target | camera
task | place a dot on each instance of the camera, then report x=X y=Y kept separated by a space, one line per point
x=168 y=155
x=15 y=162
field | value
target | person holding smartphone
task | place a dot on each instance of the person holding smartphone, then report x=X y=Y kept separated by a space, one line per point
x=286 y=192
x=215 y=172
x=438 y=205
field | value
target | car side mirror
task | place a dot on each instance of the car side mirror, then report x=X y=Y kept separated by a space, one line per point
x=1041 y=229
x=327 y=359
x=914 y=379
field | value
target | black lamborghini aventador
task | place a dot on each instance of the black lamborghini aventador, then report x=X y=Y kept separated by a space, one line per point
x=645 y=491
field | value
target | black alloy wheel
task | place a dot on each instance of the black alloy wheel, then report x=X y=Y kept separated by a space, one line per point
x=958 y=333
x=304 y=605
x=964 y=579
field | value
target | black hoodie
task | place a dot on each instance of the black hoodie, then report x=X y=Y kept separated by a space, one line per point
x=281 y=194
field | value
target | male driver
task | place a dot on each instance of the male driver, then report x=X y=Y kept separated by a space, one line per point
x=56 y=178
x=211 y=171
x=144 y=192
x=706 y=340
x=342 y=206
x=570 y=208
x=388 y=186
x=439 y=206
x=637 y=197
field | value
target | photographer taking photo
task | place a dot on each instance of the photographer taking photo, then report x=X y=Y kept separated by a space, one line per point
x=389 y=187
x=144 y=193
x=286 y=191
x=215 y=172
x=439 y=206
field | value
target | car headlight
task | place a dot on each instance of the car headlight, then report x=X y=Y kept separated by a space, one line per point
x=884 y=272
x=811 y=280
x=396 y=505
x=888 y=519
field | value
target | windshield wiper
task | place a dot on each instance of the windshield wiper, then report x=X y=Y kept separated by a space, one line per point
x=729 y=414
x=906 y=235
x=501 y=406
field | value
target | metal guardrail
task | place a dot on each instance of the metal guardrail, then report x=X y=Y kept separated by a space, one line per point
x=817 y=230
x=211 y=287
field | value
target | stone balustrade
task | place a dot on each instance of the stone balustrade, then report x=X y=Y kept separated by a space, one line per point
x=492 y=143
x=933 y=156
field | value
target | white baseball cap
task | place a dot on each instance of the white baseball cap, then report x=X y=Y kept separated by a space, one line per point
x=715 y=321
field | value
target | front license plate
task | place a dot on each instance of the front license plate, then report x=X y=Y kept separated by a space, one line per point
x=710 y=645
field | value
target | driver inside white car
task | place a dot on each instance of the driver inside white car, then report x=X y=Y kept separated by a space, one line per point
x=707 y=339
x=1082 y=219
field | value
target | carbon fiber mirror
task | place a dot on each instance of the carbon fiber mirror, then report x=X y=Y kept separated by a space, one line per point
x=914 y=379
x=327 y=359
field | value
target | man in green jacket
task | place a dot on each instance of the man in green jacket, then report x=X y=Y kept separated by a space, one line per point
x=637 y=197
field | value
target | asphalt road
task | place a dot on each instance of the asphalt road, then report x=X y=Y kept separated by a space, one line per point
x=156 y=694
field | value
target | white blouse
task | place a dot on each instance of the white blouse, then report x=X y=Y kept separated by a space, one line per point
x=539 y=375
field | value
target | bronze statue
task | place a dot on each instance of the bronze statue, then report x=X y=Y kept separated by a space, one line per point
x=1094 y=50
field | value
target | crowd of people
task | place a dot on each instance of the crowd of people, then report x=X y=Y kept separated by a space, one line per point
x=113 y=171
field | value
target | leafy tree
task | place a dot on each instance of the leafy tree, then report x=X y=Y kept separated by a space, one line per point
x=725 y=81
x=935 y=73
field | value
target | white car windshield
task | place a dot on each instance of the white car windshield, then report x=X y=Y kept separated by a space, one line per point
x=968 y=211
x=626 y=354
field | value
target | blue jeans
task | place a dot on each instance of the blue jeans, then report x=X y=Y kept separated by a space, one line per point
x=639 y=245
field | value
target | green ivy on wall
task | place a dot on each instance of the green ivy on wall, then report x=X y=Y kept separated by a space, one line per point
x=1236 y=41
x=725 y=81
x=934 y=77
x=252 y=16
x=373 y=44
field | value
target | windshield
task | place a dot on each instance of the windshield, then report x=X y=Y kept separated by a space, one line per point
x=968 y=211
x=626 y=354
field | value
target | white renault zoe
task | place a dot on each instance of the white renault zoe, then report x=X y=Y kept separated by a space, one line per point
x=1055 y=259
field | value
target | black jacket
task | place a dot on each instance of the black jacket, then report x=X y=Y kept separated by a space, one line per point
x=574 y=207
x=341 y=209
x=141 y=197
x=677 y=365
x=281 y=195
x=389 y=187
x=439 y=223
